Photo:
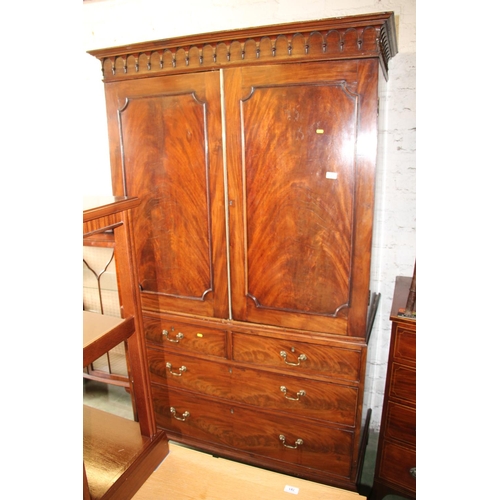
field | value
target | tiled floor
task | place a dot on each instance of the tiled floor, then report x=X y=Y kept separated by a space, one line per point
x=117 y=400
x=107 y=397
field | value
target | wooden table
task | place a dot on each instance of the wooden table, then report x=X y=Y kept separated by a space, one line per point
x=188 y=474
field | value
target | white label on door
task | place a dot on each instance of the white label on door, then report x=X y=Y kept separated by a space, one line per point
x=292 y=489
x=331 y=175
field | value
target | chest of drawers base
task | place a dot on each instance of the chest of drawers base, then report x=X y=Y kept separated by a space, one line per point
x=287 y=402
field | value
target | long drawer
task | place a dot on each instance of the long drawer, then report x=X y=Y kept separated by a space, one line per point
x=400 y=423
x=258 y=432
x=405 y=345
x=300 y=358
x=403 y=383
x=398 y=464
x=272 y=391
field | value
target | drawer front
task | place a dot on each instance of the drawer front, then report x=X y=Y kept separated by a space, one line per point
x=176 y=335
x=400 y=423
x=192 y=415
x=272 y=391
x=298 y=357
x=186 y=372
x=301 y=397
x=397 y=463
x=403 y=383
x=405 y=345
x=302 y=442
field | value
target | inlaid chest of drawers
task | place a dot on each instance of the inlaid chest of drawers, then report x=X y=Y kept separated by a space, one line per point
x=395 y=470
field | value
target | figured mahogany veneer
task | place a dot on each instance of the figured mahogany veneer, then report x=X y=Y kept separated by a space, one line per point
x=321 y=400
x=253 y=155
x=230 y=427
x=198 y=337
x=339 y=362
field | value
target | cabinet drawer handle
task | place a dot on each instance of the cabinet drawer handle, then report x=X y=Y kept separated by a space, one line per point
x=291 y=398
x=298 y=442
x=178 y=337
x=413 y=472
x=182 y=418
x=302 y=357
x=181 y=370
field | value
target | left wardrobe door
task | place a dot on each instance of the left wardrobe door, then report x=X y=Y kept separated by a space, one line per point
x=165 y=138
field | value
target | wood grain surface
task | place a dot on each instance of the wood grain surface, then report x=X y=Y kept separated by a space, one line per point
x=189 y=474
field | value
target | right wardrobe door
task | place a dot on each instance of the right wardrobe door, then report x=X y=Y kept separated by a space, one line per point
x=301 y=162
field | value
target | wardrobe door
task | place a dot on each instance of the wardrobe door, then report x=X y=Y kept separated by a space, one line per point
x=165 y=137
x=301 y=157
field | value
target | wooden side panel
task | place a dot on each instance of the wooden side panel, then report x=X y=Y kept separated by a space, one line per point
x=165 y=136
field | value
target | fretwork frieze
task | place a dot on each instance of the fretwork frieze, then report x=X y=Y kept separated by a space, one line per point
x=330 y=39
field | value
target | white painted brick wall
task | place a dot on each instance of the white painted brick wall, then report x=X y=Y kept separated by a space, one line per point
x=118 y=22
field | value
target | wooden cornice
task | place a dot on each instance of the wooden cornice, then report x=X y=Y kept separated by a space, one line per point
x=352 y=37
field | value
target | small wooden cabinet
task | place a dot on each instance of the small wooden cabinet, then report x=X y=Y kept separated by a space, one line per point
x=118 y=454
x=395 y=470
x=253 y=153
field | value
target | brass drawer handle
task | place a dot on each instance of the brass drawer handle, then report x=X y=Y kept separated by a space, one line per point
x=413 y=472
x=182 y=418
x=302 y=357
x=291 y=398
x=177 y=338
x=181 y=370
x=298 y=442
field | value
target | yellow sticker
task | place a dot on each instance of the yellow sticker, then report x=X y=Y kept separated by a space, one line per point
x=320 y=131
x=199 y=335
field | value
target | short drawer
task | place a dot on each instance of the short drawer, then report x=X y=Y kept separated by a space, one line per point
x=400 y=423
x=405 y=345
x=398 y=465
x=301 y=397
x=301 y=442
x=299 y=358
x=186 y=372
x=173 y=334
x=403 y=383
